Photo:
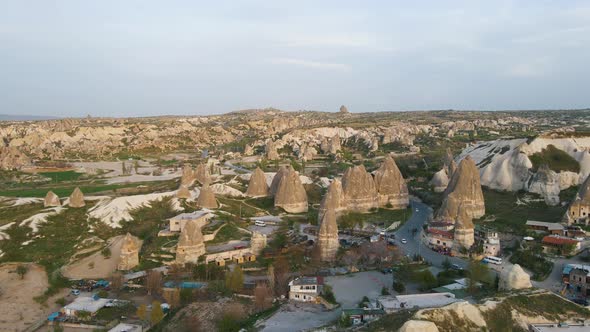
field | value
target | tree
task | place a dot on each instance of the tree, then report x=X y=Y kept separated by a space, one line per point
x=446 y=264
x=116 y=281
x=426 y=279
x=478 y=273
x=21 y=270
x=186 y=296
x=157 y=313
x=282 y=275
x=262 y=296
x=270 y=273
x=142 y=312
x=235 y=279
x=153 y=282
x=83 y=315
x=173 y=298
x=136 y=166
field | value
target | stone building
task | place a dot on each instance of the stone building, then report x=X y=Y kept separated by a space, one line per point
x=177 y=223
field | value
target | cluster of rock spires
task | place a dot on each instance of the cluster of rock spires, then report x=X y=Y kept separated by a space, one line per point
x=580 y=206
x=12 y=158
x=77 y=199
x=361 y=192
x=191 y=243
x=271 y=150
x=200 y=174
x=463 y=201
x=331 y=145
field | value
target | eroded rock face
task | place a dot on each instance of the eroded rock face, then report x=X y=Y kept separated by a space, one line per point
x=327 y=241
x=191 y=244
x=77 y=199
x=440 y=181
x=418 y=326
x=202 y=174
x=271 y=150
x=183 y=192
x=12 y=158
x=464 y=231
x=546 y=183
x=359 y=189
x=333 y=200
x=257 y=243
x=51 y=199
x=334 y=144
x=464 y=192
x=514 y=278
x=129 y=257
x=206 y=198
x=391 y=186
x=188 y=175
x=276 y=180
x=291 y=195
x=257 y=186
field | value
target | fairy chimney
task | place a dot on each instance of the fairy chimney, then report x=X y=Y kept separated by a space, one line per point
x=334 y=199
x=51 y=199
x=327 y=240
x=129 y=256
x=206 y=198
x=291 y=195
x=391 y=186
x=191 y=244
x=257 y=186
x=359 y=189
x=77 y=199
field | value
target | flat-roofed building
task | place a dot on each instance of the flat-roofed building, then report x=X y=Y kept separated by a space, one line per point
x=306 y=289
x=393 y=303
x=178 y=222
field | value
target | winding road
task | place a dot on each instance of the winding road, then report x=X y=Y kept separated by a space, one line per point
x=420 y=215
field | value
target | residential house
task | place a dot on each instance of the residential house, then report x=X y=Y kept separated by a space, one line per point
x=439 y=239
x=549 y=227
x=306 y=289
x=560 y=245
x=577 y=277
x=176 y=223
x=85 y=303
x=490 y=240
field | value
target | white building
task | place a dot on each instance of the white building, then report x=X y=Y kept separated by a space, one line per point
x=85 y=303
x=177 y=223
x=124 y=327
x=393 y=303
x=306 y=289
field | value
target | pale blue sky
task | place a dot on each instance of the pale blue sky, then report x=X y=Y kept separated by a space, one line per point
x=132 y=58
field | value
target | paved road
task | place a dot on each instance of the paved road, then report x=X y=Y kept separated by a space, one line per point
x=236 y=168
x=420 y=215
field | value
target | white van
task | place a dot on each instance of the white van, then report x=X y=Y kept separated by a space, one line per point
x=259 y=223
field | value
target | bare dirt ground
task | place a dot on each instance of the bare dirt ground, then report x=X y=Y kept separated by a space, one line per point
x=18 y=308
x=96 y=265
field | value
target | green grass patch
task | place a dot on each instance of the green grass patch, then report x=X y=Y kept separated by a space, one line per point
x=511 y=217
x=379 y=216
x=534 y=260
x=18 y=213
x=62 y=176
x=557 y=160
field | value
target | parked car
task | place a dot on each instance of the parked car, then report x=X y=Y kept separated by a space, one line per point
x=404 y=241
x=456 y=267
x=75 y=292
x=387 y=270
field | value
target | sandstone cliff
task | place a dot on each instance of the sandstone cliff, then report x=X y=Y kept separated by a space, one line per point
x=12 y=158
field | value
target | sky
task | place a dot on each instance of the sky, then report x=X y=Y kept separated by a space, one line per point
x=139 y=58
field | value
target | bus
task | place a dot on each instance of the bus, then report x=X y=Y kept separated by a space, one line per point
x=492 y=260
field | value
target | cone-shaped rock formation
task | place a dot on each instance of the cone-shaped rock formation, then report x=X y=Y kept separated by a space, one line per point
x=291 y=195
x=207 y=198
x=183 y=192
x=77 y=199
x=257 y=186
x=202 y=173
x=359 y=189
x=51 y=199
x=191 y=244
x=514 y=278
x=276 y=180
x=188 y=175
x=391 y=186
x=334 y=200
x=464 y=231
x=463 y=193
x=327 y=241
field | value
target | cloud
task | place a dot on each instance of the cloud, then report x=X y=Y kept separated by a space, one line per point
x=311 y=64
